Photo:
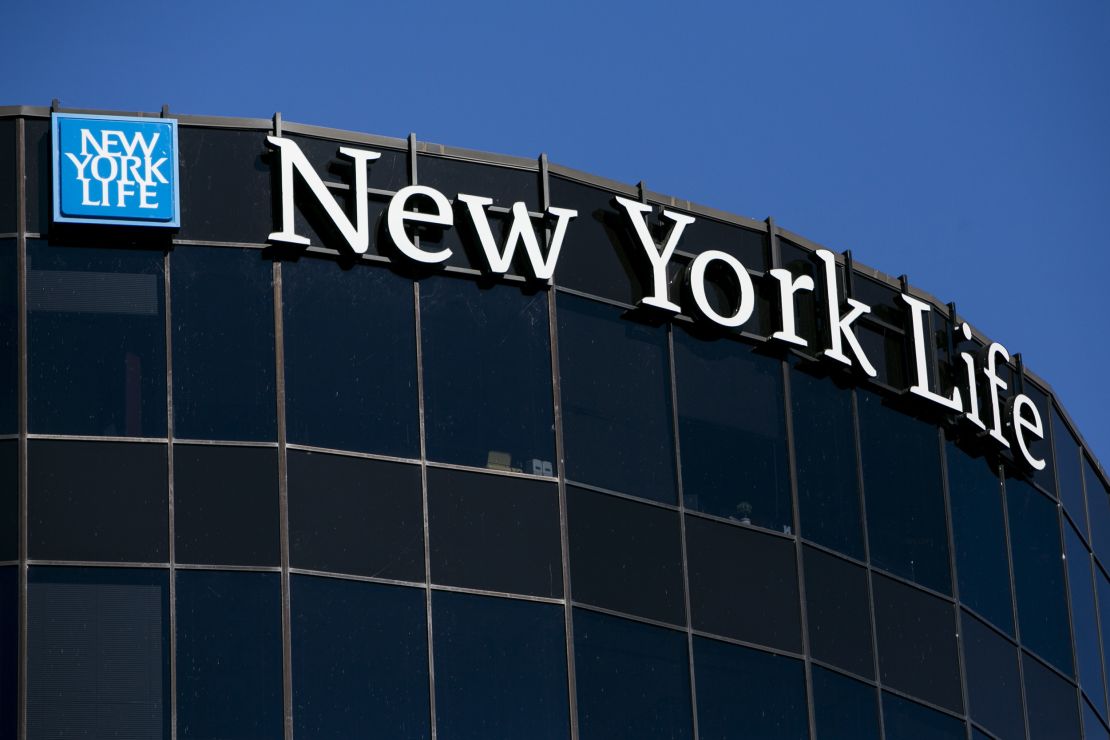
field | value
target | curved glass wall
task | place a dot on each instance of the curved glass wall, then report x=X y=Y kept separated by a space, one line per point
x=251 y=491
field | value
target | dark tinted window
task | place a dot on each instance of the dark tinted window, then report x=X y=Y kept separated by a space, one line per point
x=350 y=358
x=886 y=349
x=505 y=185
x=37 y=136
x=993 y=683
x=1098 y=505
x=493 y=532
x=838 y=612
x=1069 y=472
x=743 y=584
x=746 y=245
x=223 y=344
x=1041 y=448
x=8 y=178
x=487 y=376
x=905 y=720
x=350 y=515
x=390 y=171
x=228 y=655
x=96 y=326
x=616 y=398
x=1093 y=729
x=9 y=651
x=825 y=453
x=98 y=501
x=360 y=660
x=1036 y=550
x=1051 y=704
x=743 y=688
x=98 y=653
x=9 y=338
x=732 y=428
x=1103 y=588
x=979 y=534
x=844 y=709
x=633 y=680
x=500 y=668
x=226 y=185
x=226 y=505
x=625 y=555
x=917 y=643
x=9 y=499
x=1084 y=617
x=600 y=255
x=902 y=487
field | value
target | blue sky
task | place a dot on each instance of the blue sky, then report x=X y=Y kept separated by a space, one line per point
x=964 y=144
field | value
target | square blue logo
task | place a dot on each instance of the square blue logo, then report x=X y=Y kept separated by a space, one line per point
x=115 y=170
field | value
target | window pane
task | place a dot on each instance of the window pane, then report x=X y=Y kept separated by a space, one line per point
x=838 y=612
x=225 y=185
x=500 y=668
x=598 y=256
x=844 y=709
x=1084 y=615
x=825 y=452
x=8 y=176
x=1103 y=588
x=487 y=376
x=495 y=533
x=360 y=660
x=223 y=343
x=746 y=245
x=902 y=487
x=993 y=684
x=1093 y=729
x=616 y=397
x=905 y=720
x=1051 y=704
x=1038 y=574
x=350 y=357
x=762 y=693
x=625 y=555
x=743 y=584
x=1069 y=472
x=98 y=501
x=226 y=505
x=350 y=515
x=1098 y=504
x=633 y=680
x=732 y=427
x=9 y=338
x=504 y=185
x=9 y=500
x=229 y=655
x=917 y=643
x=9 y=651
x=37 y=136
x=1042 y=448
x=98 y=653
x=979 y=534
x=96 y=325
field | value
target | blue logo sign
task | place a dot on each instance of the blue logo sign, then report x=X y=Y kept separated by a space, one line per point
x=115 y=170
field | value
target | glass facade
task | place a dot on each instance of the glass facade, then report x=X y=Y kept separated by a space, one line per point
x=251 y=491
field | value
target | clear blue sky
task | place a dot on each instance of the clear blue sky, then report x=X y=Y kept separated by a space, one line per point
x=966 y=144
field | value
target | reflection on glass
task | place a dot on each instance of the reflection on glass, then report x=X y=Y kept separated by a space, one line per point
x=739 y=687
x=97 y=341
x=1036 y=550
x=350 y=358
x=1051 y=703
x=360 y=660
x=487 y=376
x=633 y=680
x=223 y=344
x=844 y=709
x=1084 y=616
x=902 y=487
x=839 y=613
x=1069 y=472
x=978 y=530
x=1098 y=505
x=229 y=681
x=825 y=454
x=98 y=652
x=500 y=668
x=732 y=428
x=616 y=398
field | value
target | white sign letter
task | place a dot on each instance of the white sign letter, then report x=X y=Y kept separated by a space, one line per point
x=398 y=215
x=697 y=287
x=636 y=212
x=788 y=286
x=520 y=231
x=841 y=327
x=1023 y=425
x=921 y=387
